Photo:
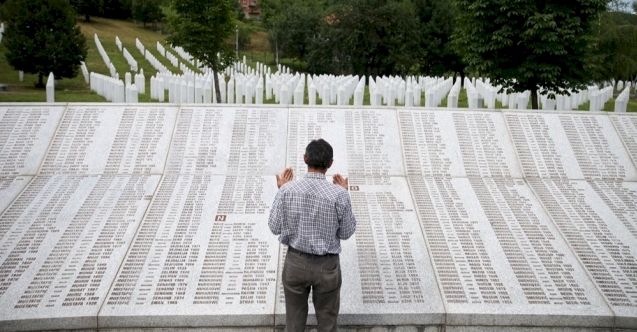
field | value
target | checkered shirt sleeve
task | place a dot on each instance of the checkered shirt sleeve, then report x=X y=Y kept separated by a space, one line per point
x=312 y=215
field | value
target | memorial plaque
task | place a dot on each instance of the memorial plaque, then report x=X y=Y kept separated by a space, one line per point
x=599 y=219
x=457 y=144
x=387 y=275
x=61 y=243
x=105 y=138
x=569 y=145
x=203 y=256
x=25 y=134
x=626 y=126
x=365 y=141
x=498 y=258
x=156 y=216
x=216 y=140
x=10 y=187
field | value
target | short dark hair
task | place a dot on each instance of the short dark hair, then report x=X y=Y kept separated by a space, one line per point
x=319 y=154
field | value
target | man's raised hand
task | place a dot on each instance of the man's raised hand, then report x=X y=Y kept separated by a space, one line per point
x=285 y=177
x=340 y=180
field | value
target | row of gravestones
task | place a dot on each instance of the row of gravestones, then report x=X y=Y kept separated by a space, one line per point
x=247 y=86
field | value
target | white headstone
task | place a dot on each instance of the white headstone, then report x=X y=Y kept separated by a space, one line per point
x=239 y=86
x=207 y=92
x=140 y=82
x=50 y=89
x=312 y=94
x=199 y=93
x=191 y=92
x=409 y=97
x=326 y=95
x=285 y=95
x=259 y=93
x=161 y=88
x=248 y=92
x=358 y=95
x=128 y=95
x=133 y=94
x=298 y=95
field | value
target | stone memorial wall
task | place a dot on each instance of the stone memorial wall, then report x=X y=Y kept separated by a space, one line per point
x=124 y=217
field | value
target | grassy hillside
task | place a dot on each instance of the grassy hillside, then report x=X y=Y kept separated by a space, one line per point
x=72 y=90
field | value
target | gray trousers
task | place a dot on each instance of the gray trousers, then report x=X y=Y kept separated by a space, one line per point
x=320 y=274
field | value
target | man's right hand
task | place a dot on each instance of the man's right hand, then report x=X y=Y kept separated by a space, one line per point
x=340 y=180
x=285 y=177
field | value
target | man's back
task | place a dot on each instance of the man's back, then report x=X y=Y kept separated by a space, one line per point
x=312 y=215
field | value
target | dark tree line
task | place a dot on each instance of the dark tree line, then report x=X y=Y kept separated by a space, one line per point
x=550 y=46
x=365 y=37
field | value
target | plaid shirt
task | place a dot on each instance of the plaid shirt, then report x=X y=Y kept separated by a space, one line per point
x=312 y=215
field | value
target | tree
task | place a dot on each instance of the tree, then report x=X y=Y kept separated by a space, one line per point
x=204 y=29
x=41 y=36
x=87 y=8
x=367 y=37
x=292 y=24
x=541 y=46
x=117 y=9
x=147 y=11
x=437 y=19
x=617 y=47
x=296 y=26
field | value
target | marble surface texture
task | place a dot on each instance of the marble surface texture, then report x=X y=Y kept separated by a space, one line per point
x=147 y=216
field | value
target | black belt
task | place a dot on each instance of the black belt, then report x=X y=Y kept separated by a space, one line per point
x=290 y=249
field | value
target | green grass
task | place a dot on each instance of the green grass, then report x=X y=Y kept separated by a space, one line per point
x=610 y=106
x=75 y=89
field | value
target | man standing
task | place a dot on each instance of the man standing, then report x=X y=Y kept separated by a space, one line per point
x=311 y=216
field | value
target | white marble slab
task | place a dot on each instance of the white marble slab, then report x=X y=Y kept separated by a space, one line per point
x=25 y=134
x=10 y=188
x=203 y=257
x=228 y=140
x=599 y=221
x=498 y=258
x=444 y=143
x=78 y=249
x=386 y=272
x=107 y=138
x=626 y=126
x=572 y=145
x=61 y=243
x=365 y=141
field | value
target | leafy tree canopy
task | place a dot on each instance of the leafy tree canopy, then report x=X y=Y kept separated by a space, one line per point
x=88 y=8
x=617 y=47
x=41 y=36
x=365 y=37
x=117 y=9
x=437 y=18
x=147 y=11
x=204 y=29
x=527 y=44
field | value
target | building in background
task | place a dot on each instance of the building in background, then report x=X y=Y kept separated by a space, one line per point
x=250 y=8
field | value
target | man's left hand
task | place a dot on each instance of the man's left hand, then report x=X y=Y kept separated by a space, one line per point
x=285 y=177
